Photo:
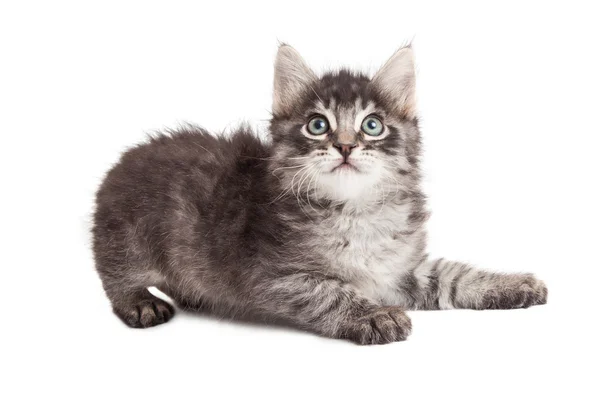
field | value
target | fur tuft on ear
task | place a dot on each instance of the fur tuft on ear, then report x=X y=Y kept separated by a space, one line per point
x=396 y=81
x=293 y=77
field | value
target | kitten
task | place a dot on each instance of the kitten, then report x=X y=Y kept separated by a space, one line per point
x=323 y=227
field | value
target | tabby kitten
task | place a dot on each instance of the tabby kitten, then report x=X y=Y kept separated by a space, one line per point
x=323 y=227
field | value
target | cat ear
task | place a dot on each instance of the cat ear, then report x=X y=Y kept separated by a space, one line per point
x=293 y=77
x=396 y=81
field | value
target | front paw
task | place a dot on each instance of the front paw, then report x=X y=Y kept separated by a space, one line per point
x=378 y=326
x=515 y=291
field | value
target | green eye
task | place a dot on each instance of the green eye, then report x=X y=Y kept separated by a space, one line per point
x=318 y=125
x=372 y=126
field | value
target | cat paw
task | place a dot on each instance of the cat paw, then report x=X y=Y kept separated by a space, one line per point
x=144 y=312
x=379 y=326
x=515 y=291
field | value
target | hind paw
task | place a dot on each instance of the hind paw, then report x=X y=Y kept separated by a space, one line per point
x=144 y=311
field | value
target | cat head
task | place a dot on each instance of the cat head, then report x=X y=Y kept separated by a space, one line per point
x=344 y=136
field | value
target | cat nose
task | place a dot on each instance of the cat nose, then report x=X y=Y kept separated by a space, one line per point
x=344 y=149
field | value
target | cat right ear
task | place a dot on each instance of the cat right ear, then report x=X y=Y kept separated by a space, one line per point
x=396 y=81
x=293 y=78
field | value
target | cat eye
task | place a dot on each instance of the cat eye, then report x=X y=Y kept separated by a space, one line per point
x=372 y=126
x=318 y=125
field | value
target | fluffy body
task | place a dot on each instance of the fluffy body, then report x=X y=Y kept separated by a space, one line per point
x=325 y=232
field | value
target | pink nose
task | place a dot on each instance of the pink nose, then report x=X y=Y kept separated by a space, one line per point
x=344 y=149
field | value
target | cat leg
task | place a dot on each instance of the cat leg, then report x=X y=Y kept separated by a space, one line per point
x=442 y=284
x=125 y=265
x=331 y=308
x=131 y=301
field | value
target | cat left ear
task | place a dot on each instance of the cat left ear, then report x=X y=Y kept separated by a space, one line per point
x=396 y=81
x=293 y=77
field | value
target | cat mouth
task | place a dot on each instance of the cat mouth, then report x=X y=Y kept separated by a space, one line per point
x=345 y=166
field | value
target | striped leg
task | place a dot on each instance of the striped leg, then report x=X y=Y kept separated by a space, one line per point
x=442 y=284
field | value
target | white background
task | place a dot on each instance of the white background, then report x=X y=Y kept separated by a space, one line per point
x=508 y=98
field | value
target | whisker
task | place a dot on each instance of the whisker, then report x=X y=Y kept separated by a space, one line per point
x=300 y=182
x=290 y=187
x=295 y=166
x=298 y=199
x=308 y=188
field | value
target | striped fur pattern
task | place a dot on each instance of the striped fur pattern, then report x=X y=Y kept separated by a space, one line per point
x=322 y=231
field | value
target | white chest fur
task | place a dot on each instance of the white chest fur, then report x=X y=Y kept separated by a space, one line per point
x=367 y=249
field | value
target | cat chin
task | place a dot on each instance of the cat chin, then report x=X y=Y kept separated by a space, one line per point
x=348 y=184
